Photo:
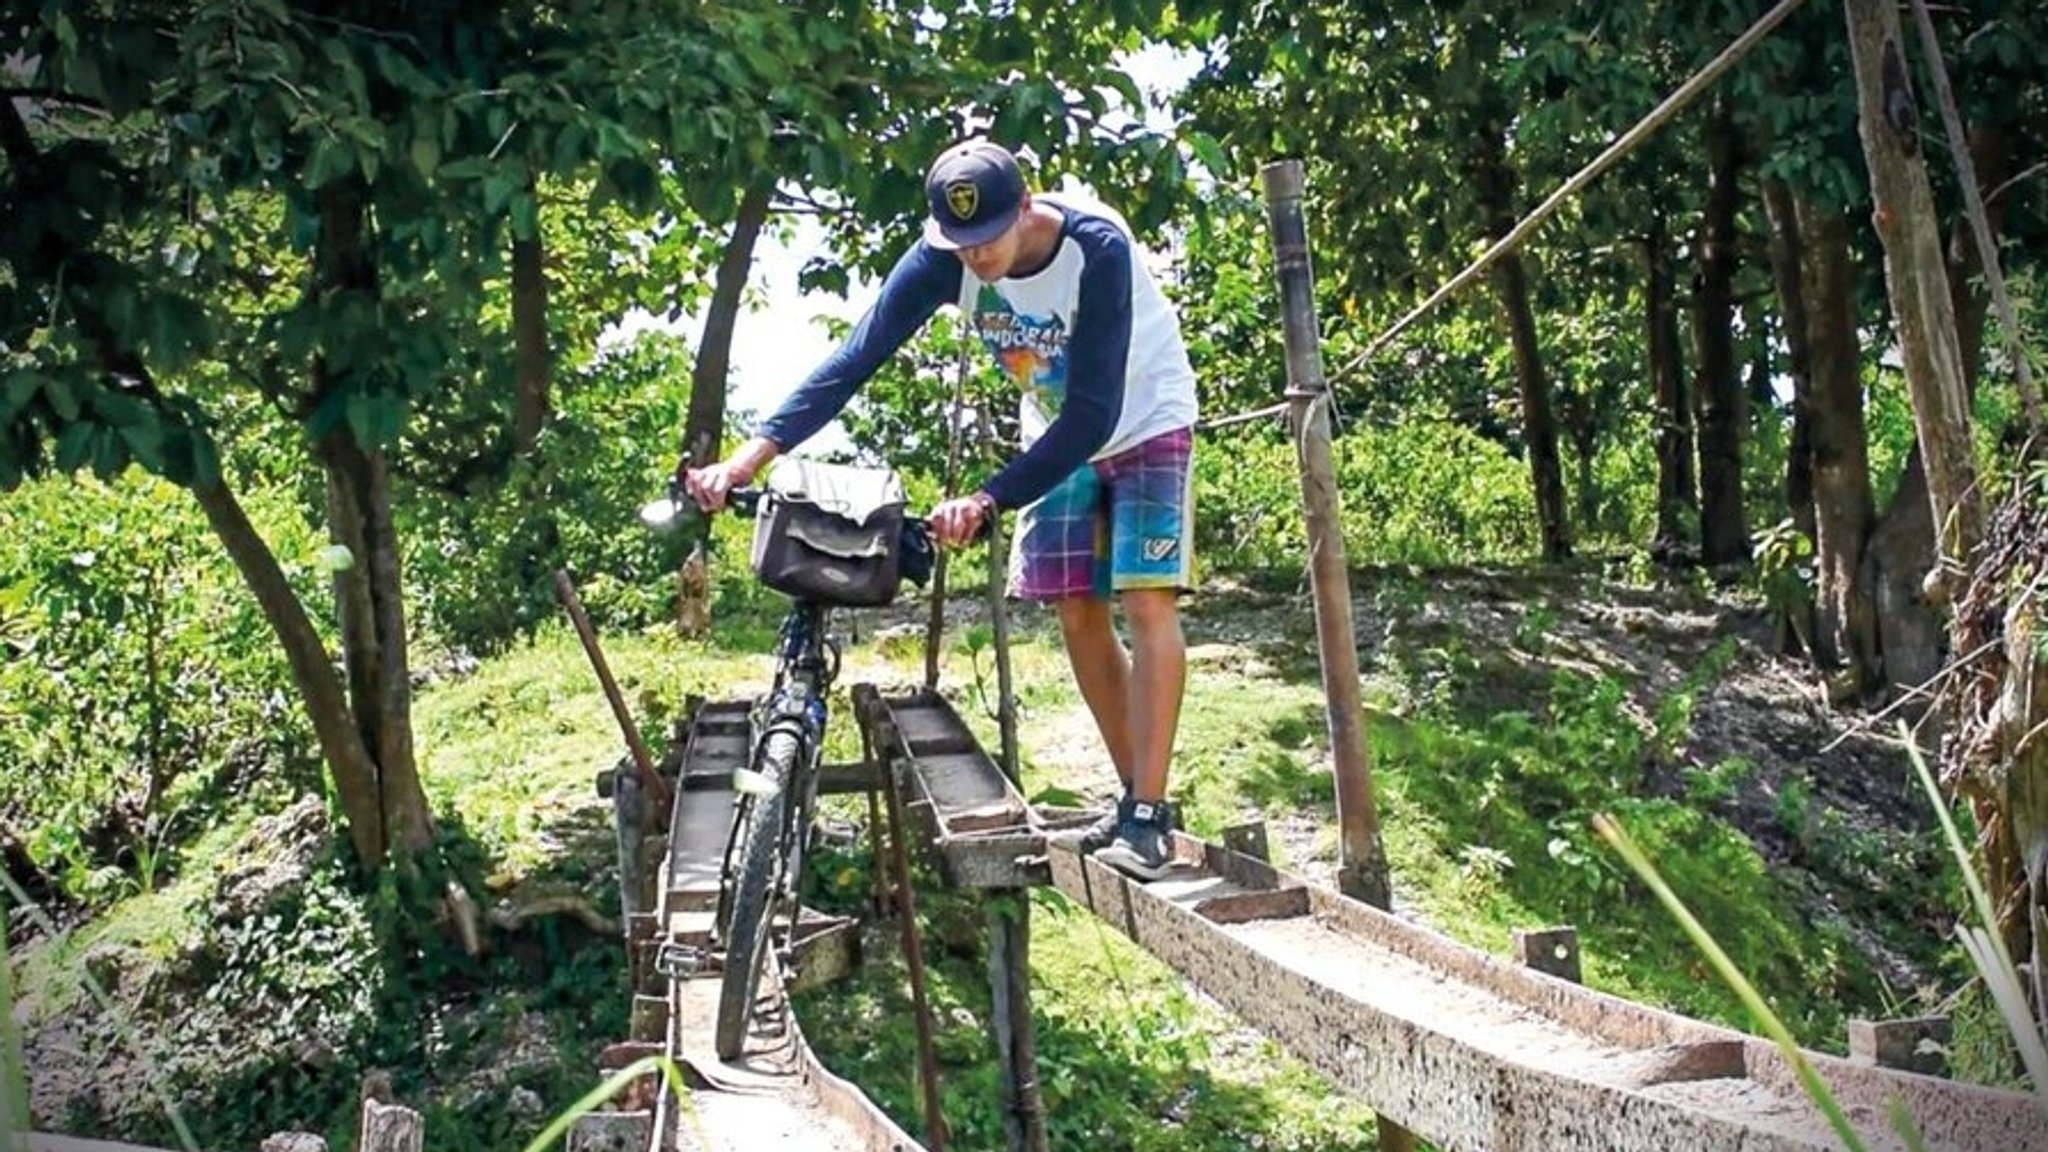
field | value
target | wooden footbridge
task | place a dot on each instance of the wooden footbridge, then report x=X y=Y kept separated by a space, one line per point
x=1468 y=1051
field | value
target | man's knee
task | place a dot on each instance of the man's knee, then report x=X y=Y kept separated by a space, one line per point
x=1152 y=610
x=1084 y=616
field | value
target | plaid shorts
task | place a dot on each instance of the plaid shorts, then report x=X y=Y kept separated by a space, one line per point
x=1125 y=521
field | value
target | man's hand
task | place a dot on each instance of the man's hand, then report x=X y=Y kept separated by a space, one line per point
x=710 y=485
x=959 y=521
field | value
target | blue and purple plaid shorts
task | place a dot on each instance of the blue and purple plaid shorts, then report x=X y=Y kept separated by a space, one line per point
x=1125 y=521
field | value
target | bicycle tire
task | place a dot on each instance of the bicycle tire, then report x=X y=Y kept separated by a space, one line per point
x=750 y=927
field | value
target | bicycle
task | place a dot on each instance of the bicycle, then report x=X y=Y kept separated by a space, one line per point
x=762 y=865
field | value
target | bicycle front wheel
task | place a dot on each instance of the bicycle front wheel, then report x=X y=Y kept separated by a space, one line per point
x=751 y=924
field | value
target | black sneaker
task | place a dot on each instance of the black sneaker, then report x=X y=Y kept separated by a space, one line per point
x=1143 y=846
x=1095 y=837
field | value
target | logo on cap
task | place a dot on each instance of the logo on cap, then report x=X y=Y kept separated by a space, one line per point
x=963 y=197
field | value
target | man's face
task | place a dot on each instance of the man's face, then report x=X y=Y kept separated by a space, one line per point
x=994 y=260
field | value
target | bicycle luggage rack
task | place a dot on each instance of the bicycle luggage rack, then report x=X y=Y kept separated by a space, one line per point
x=984 y=833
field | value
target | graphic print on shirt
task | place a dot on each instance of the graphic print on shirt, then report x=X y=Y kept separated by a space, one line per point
x=1031 y=349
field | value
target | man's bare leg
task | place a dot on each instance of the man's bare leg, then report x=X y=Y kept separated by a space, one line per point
x=1156 y=680
x=1102 y=671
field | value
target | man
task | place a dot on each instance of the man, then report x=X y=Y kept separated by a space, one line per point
x=1053 y=286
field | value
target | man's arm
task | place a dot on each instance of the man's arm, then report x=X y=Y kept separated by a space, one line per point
x=922 y=280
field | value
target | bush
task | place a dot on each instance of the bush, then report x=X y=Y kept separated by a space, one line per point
x=140 y=674
x=1424 y=491
x=480 y=564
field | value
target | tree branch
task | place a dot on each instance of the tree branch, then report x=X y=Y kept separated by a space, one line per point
x=14 y=138
x=52 y=96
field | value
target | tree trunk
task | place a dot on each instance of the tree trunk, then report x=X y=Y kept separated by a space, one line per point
x=1918 y=285
x=369 y=598
x=348 y=758
x=1678 y=507
x=1844 y=507
x=1509 y=275
x=532 y=363
x=1910 y=631
x=1724 y=531
x=1539 y=426
x=1788 y=255
x=705 y=427
x=1916 y=279
x=369 y=595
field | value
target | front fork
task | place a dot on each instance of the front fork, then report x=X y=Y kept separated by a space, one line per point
x=793 y=709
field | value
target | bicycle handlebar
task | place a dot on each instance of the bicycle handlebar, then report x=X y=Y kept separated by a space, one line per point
x=677 y=507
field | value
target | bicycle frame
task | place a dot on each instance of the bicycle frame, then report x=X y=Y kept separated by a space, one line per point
x=807 y=664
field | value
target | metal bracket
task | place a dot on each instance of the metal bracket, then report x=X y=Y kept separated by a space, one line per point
x=678 y=961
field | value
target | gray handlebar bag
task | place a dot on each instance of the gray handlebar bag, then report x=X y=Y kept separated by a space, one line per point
x=831 y=533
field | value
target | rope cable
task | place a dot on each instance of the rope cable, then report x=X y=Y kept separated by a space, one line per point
x=1646 y=127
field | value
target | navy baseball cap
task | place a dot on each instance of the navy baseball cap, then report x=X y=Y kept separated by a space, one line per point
x=975 y=191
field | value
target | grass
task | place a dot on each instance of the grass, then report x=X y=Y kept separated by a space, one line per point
x=1486 y=784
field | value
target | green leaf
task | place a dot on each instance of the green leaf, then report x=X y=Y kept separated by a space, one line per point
x=498 y=189
x=332 y=159
x=205 y=461
x=74 y=446
x=146 y=442
x=63 y=397
x=21 y=387
x=467 y=168
x=175 y=328
x=1209 y=154
x=426 y=154
x=328 y=414
x=109 y=454
x=525 y=215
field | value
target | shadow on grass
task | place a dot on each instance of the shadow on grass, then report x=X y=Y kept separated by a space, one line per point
x=453 y=1034
x=1113 y=1075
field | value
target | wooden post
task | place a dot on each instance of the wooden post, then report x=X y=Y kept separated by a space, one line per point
x=657 y=788
x=390 y=1128
x=1009 y=956
x=913 y=957
x=1917 y=1044
x=1248 y=840
x=1362 y=861
x=1552 y=950
x=649 y=1018
x=1361 y=858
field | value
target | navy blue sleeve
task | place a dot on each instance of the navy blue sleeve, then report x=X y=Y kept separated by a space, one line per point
x=921 y=281
x=1097 y=355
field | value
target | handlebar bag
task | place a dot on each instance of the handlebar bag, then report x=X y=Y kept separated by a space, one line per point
x=831 y=533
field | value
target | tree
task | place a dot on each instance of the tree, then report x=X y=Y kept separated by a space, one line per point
x=401 y=150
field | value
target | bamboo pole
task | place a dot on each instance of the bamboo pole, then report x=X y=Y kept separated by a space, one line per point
x=1361 y=859
x=1362 y=863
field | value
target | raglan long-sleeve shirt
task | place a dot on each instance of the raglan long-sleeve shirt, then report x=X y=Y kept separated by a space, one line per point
x=1089 y=340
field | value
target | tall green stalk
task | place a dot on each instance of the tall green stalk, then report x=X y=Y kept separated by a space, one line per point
x=1759 y=1011
x=1984 y=943
x=13 y=1066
